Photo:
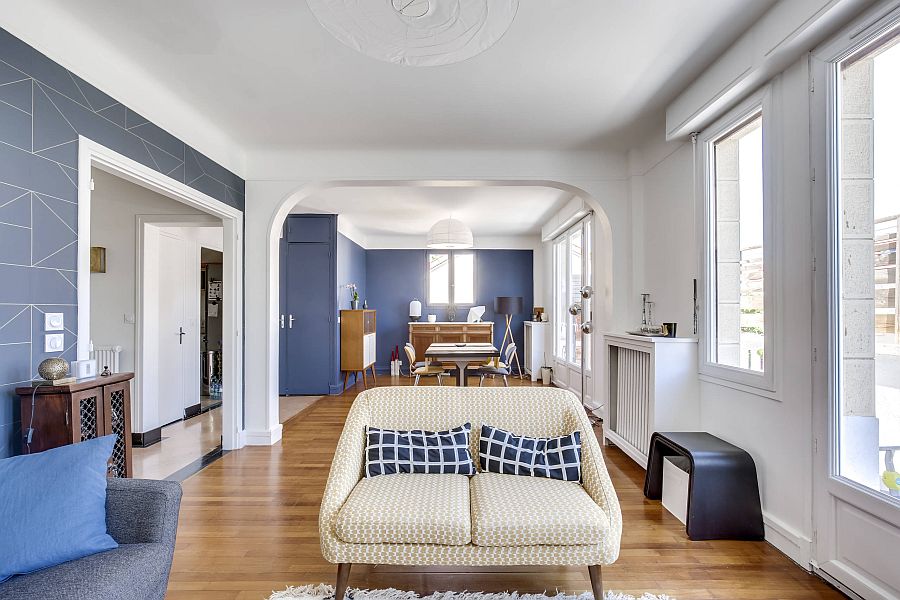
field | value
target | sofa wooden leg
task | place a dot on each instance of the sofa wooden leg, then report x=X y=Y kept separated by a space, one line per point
x=343 y=575
x=596 y=581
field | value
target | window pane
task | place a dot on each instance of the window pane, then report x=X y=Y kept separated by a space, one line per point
x=868 y=410
x=559 y=294
x=588 y=266
x=738 y=276
x=464 y=278
x=438 y=278
x=575 y=267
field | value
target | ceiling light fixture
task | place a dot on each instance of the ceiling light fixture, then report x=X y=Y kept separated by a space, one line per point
x=450 y=234
x=416 y=33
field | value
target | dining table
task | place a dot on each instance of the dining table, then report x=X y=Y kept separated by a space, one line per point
x=462 y=355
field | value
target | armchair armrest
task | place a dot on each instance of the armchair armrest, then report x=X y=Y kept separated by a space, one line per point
x=140 y=511
x=346 y=471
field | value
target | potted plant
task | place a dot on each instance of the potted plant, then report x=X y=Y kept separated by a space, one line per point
x=354 y=296
x=546 y=373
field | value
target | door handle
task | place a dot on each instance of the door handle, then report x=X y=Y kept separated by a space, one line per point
x=290 y=321
x=180 y=334
x=282 y=321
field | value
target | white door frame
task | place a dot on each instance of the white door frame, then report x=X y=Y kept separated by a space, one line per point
x=91 y=154
x=147 y=318
x=833 y=494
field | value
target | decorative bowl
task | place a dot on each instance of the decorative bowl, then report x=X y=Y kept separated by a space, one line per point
x=53 y=368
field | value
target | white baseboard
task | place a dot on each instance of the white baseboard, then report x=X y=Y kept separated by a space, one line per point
x=263 y=437
x=788 y=541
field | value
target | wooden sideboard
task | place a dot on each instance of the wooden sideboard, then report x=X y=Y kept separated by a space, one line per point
x=422 y=334
x=358 y=331
x=79 y=411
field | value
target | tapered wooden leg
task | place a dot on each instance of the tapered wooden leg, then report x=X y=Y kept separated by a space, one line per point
x=346 y=375
x=374 y=381
x=365 y=380
x=596 y=581
x=343 y=574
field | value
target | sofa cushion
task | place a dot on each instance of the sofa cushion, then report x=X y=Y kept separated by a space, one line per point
x=130 y=572
x=557 y=458
x=510 y=510
x=407 y=508
x=389 y=451
x=53 y=506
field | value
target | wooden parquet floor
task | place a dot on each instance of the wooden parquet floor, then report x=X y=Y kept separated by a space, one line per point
x=249 y=526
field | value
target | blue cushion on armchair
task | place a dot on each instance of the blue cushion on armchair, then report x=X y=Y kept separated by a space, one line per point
x=53 y=506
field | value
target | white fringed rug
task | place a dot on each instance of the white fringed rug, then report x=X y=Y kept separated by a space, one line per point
x=323 y=591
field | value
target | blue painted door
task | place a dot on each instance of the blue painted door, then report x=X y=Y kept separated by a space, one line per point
x=282 y=312
x=308 y=322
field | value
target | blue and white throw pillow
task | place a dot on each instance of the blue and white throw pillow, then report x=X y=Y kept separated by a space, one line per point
x=389 y=451
x=556 y=458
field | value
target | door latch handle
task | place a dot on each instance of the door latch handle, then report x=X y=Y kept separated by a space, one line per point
x=290 y=321
x=180 y=334
x=282 y=321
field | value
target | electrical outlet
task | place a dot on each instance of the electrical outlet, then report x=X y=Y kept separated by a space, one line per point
x=129 y=318
x=54 y=322
x=54 y=342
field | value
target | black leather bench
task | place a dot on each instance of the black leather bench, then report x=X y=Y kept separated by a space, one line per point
x=723 y=497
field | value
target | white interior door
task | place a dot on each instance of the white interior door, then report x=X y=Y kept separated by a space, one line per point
x=172 y=331
x=856 y=109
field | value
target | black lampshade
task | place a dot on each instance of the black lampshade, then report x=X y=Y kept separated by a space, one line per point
x=508 y=305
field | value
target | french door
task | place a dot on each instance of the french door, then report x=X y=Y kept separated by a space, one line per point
x=855 y=113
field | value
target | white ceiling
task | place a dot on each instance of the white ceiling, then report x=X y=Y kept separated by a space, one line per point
x=400 y=216
x=569 y=74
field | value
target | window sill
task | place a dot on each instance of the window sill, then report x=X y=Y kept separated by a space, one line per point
x=741 y=387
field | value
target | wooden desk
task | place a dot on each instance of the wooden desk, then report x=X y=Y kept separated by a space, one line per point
x=461 y=355
x=423 y=334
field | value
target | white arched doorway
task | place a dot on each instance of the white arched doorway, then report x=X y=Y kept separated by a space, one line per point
x=265 y=414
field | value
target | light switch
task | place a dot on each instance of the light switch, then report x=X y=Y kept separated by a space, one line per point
x=53 y=322
x=129 y=318
x=54 y=342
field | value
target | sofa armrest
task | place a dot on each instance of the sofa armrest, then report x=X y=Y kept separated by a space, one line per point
x=140 y=511
x=598 y=485
x=346 y=471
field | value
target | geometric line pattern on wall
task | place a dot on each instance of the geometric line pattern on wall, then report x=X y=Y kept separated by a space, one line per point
x=43 y=109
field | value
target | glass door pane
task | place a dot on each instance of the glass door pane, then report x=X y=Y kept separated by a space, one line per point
x=868 y=409
x=576 y=267
x=559 y=294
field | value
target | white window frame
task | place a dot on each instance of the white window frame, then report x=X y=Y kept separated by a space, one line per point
x=562 y=240
x=759 y=103
x=452 y=278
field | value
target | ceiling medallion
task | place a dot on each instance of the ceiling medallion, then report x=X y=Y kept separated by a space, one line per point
x=416 y=33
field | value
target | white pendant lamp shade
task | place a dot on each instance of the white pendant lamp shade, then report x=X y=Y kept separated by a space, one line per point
x=450 y=234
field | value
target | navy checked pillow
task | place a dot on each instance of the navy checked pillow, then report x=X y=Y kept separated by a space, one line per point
x=389 y=451
x=555 y=458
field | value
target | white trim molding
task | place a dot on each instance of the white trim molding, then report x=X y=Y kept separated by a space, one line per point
x=94 y=155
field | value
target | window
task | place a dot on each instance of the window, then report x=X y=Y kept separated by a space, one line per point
x=738 y=336
x=867 y=342
x=572 y=270
x=451 y=278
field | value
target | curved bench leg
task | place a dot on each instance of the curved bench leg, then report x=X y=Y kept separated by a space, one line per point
x=596 y=581
x=343 y=575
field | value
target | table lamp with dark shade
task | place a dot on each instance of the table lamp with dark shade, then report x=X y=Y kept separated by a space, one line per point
x=509 y=306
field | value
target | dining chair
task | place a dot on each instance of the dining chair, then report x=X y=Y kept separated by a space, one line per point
x=491 y=371
x=427 y=370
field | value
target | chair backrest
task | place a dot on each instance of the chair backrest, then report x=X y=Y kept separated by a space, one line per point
x=509 y=353
x=410 y=354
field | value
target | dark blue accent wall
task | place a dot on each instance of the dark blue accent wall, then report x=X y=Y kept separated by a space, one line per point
x=43 y=110
x=351 y=268
x=394 y=277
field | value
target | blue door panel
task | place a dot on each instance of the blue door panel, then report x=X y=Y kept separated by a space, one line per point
x=309 y=299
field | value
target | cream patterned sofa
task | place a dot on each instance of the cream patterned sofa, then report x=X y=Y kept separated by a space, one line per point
x=487 y=519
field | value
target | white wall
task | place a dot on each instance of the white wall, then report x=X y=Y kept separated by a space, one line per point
x=278 y=181
x=115 y=204
x=776 y=431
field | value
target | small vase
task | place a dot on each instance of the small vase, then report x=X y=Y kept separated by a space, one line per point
x=354 y=304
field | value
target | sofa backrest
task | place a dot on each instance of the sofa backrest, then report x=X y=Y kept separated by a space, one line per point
x=531 y=411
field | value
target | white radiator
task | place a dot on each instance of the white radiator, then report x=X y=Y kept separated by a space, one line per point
x=107 y=356
x=633 y=410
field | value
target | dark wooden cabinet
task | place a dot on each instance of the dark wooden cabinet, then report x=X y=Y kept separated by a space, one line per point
x=75 y=412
